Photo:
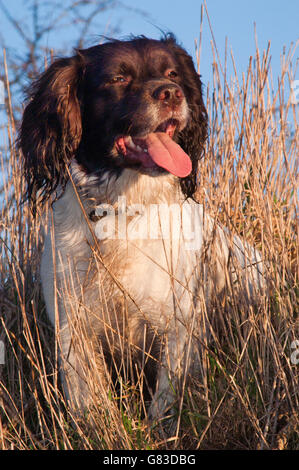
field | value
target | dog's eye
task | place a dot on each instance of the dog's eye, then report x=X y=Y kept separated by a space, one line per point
x=171 y=74
x=118 y=79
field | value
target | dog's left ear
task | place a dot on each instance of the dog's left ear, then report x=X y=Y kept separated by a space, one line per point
x=192 y=139
x=51 y=126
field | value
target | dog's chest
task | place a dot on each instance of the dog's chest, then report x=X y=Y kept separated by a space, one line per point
x=148 y=253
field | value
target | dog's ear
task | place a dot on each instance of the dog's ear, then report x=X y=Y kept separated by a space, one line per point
x=192 y=139
x=51 y=126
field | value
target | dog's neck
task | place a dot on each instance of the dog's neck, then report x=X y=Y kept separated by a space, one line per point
x=136 y=187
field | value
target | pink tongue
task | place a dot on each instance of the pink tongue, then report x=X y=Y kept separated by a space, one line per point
x=167 y=154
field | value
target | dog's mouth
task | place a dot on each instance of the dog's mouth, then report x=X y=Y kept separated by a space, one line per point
x=156 y=149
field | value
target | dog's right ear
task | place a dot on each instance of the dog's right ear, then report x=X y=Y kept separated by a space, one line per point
x=51 y=126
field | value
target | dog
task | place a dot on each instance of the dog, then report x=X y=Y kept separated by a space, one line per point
x=113 y=136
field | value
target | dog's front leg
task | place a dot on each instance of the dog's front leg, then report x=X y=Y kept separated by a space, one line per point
x=176 y=359
x=72 y=374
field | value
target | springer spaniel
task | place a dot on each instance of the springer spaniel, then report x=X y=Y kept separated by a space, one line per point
x=131 y=263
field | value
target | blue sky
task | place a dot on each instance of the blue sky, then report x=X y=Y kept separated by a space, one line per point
x=276 y=20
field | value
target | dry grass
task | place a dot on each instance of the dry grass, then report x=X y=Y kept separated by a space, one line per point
x=250 y=397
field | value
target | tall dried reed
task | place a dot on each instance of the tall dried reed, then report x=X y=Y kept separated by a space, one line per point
x=249 y=398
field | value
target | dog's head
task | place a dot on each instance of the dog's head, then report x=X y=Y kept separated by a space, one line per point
x=135 y=103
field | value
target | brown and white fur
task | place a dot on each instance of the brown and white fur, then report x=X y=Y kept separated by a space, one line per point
x=131 y=294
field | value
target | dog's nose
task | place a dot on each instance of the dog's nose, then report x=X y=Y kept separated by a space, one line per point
x=170 y=95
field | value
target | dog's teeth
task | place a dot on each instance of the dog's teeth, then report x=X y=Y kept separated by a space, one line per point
x=129 y=142
x=131 y=145
x=145 y=150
